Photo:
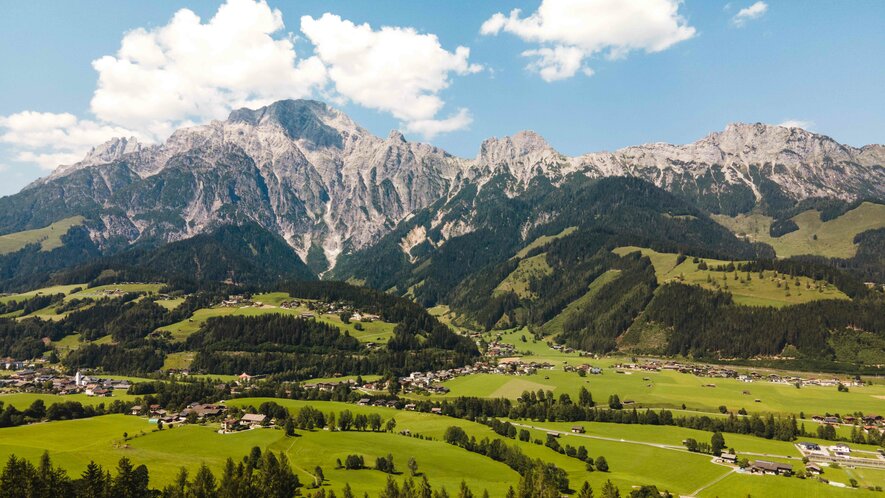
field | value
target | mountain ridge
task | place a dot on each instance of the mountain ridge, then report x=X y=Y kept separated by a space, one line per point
x=309 y=173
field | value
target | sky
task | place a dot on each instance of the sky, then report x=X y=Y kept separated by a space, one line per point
x=588 y=75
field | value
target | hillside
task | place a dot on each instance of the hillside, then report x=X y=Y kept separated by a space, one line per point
x=834 y=238
x=48 y=238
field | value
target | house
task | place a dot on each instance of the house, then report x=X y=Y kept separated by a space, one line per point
x=813 y=468
x=253 y=419
x=771 y=468
x=437 y=411
x=244 y=377
x=411 y=407
x=553 y=434
x=578 y=429
x=728 y=458
x=364 y=402
x=805 y=445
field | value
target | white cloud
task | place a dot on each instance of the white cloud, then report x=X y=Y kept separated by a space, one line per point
x=433 y=127
x=796 y=123
x=191 y=71
x=392 y=69
x=570 y=31
x=754 y=11
x=49 y=139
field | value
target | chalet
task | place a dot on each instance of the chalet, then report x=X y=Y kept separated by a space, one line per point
x=771 y=468
x=253 y=419
x=244 y=377
x=728 y=458
x=410 y=407
x=553 y=434
x=364 y=402
x=578 y=429
x=204 y=411
x=437 y=411
x=813 y=468
x=136 y=410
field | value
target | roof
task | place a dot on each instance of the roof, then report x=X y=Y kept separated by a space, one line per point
x=253 y=417
x=772 y=466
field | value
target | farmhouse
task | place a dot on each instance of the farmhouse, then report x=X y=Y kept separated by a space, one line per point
x=578 y=429
x=728 y=458
x=813 y=468
x=771 y=468
x=253 y=419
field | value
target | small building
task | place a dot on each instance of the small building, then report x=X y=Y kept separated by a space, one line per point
x=578 y=429
x=728 y=458
x=410 y=407
x=437 y=411
x=253 y=419
x=771 y=468
x=813 y=468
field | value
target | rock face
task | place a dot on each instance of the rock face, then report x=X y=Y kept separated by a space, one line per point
x=309 y=173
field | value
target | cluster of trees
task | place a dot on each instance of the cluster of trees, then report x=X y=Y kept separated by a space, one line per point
x=714 y=447
x=258 y=474
x=511 y=456
x=276 y=333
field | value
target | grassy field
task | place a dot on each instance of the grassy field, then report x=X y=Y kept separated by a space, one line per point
x=72 y=342
x=518 y=280
x=377 y=331
x=73 y=443
x=49 y=237
x=833 y=238
x=24 y=400
x=179 y=361
x=665 y=389
x=769 y=290
x=58 y=289
x=543 y=241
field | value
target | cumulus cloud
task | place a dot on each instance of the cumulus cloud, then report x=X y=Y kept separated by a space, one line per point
x=50 y=139
x=571 y=31
x=391 y=69
x=796 y=123
x=192 y=70
x=746 y=14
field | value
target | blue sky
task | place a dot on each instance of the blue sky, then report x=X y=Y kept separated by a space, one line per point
x=670 y=77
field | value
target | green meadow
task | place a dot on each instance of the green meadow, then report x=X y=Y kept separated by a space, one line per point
x=57 y=289
x=377 y=331
x=749 y=289
x=24 y=400
x=664 y=389
x=518 y=280
x=833 y=238
x=49 y=237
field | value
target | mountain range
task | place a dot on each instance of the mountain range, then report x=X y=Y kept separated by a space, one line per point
x=308 y=173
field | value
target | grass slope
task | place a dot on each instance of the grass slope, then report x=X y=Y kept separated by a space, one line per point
x=543 y=241
x=833 y=238
x=754 y=292
x=49 y=237
x=518 y=280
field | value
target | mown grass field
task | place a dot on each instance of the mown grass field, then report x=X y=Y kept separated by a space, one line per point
x=833 y=238
x=665 y=389
x=49 y=237
x=72 y=342
x=24 y=400
x=769 y=290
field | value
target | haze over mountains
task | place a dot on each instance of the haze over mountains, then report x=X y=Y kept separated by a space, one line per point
x=307 y=172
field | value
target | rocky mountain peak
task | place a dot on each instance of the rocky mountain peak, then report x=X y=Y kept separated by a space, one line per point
x=315 y=123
